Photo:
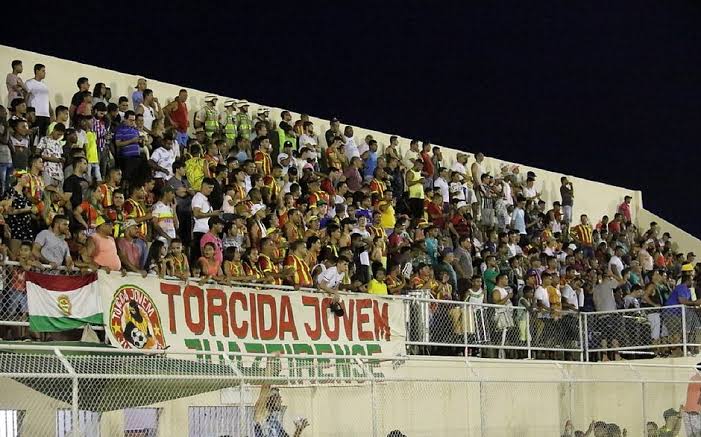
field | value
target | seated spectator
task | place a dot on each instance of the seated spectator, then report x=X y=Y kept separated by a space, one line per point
x=130 y=252
x=50 y=245
x=101 y=249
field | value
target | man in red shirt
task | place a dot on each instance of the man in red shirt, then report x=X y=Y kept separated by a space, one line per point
x=435 y=211
x=428 y=170
x=624 y=208
x=177 y=114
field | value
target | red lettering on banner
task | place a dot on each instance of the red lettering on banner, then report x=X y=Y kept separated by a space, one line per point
x=380 y=312
x=287 y=319
x=332 y=334
x=266 y=300
x=254 y=317
x=307 y=301
x=241 y=330
x=216 y=306
x=363 y=318
x=171 y=290
x=191 y=291
x=348 y=318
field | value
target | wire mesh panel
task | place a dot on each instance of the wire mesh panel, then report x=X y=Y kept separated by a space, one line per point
x=11 y=422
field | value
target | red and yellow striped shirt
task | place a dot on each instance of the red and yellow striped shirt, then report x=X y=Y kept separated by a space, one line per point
x=265 y=162
x=583 y=234
x=302 y=275
x=266 y=265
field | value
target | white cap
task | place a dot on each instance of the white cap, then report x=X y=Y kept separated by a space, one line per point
x=281 y=157
x=257 y=207
x=210 y=98
x=229 y=102
x=263 y=110
x=242 y=103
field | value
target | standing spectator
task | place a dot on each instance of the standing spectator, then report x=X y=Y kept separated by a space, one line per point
x=38 y=98
x=213 y=236
x=19 y=145
x=624 y=209
x=130 y=252
x=150 y=109
x=50 y=245
x=51 y=151
x=183 y=196
x=301 y=276
x=114 y=179
x=243 y=120
x=76 y=184
x=202 y=211
x=353 y=178
x=441 y=183
x=19 y=216
x=176 y=113
x=61 y=117
x=415 y=183
x=99 y=94
x=583 y=235
x=567 y=196
x=162 y=160
x=351 y=148
x=137 y=97
x=5 y=154
x=101 y=249
x=78 y=98
x=128 y=143
x=165 y=220
x=334 y=130
x=15 y=86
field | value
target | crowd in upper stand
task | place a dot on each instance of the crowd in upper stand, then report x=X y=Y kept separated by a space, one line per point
x=127 y=183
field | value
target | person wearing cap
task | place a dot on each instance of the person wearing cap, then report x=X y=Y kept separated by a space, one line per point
x=130 y=252
x=333 y=131
x=262 y=116
x=207 y=117
x=243 y=120
x=101 y=249
x=165 y=221
x=137 y=97
x=227 y=121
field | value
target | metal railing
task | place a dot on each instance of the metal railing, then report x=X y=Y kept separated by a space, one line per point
x=443 y=327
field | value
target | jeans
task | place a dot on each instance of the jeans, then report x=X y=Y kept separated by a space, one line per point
x=181 y=138
x=93 y=169
x=5 y=172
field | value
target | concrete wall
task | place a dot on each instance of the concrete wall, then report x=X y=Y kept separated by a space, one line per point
x=440 y=397
x=593 y=198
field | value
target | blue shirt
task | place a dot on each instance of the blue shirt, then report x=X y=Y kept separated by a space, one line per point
x=137 y=98
x=519 y=221
x=680 y=290
x=370 y=164
x=125 y=133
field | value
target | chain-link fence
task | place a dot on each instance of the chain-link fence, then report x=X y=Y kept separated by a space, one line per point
x=440 y=327
x=102 y=392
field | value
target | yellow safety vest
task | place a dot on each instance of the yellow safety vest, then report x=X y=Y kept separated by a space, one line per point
x=416 y=191
x=211 y=124
x=230 y=127
x=243 y=122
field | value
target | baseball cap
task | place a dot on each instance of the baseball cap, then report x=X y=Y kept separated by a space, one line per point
x=101 y=220
x=688 y=267
x=210 y=98
x=129 y=223
x=532 y=272
x=530 y=174
x=281 y=157
x=334 y=120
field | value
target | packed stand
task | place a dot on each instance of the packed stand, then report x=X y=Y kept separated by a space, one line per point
x=127 y=184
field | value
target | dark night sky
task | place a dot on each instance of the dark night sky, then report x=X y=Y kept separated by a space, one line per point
x=603 y=90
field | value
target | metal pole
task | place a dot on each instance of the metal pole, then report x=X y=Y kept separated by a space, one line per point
x=465 y=309
x=483 y=431
x=373 y=402
x=242 y=409
x=644 y=392
x=581 y=337
x=684 y=336
x=586 y=338
x=75 y=420
x=528 y=334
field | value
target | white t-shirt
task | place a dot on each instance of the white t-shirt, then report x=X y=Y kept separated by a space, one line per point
x=445 y=189
x=307 y=141
x=202 y=224
x=166 y=218
x=514 y=249
x=38 y=97
x=149 y=116
x=330 y=277
x=351 y=149
x=363 y=147
x=530 y=192
x=616 y=261
x=541 y=294
x=164 y=158
x=570 y=296
x=460 y=168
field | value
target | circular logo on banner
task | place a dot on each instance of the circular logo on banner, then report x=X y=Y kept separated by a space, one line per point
x=134 y=319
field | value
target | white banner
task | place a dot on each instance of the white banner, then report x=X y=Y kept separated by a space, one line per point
x=152 y=313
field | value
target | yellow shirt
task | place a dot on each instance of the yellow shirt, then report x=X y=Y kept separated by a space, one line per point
x=555 y=298
x=377 y=287
x=91 y=148
x=387 y=218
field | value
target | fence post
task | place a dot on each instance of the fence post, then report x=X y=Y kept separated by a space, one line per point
x=75 y=419
x=373 y=405
x=528 y=334
x=585 y=330
x=483 y=412
x=581 y=336
x=465 y=309
x=242 y=408
x=684 y=336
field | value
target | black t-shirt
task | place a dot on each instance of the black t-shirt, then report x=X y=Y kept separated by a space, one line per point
x=75 y=185
x=77 y=98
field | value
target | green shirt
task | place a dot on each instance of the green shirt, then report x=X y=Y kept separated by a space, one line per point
x=490 y=281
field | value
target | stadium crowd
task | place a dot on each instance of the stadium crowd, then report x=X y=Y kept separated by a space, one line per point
x=128 y=184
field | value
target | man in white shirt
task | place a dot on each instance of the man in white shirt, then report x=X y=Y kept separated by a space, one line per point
x=330 y=279
x=413 y=153
x=164 y=219
x=38 y=97
x=442 y=184
x=201 y=212
x=459 y=164
x=616 y=263
x=514 y=248
x=350 y=148
x=542 y=302
x=365 y=145
x=162 y=159
x=307 y=138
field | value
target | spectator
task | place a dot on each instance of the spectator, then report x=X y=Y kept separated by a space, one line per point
x=137 y=97
x=130 y=252
x=50 y=245
x=38 y=98
x=201 y=212
x=128 y=142
x=216 y=226
x=101 y=249
x=83 y=87
x=162 y=160
x=165 y=220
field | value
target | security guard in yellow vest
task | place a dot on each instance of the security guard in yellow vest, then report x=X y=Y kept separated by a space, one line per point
x=208 y=117
x=227 y=121
x=243 y=120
